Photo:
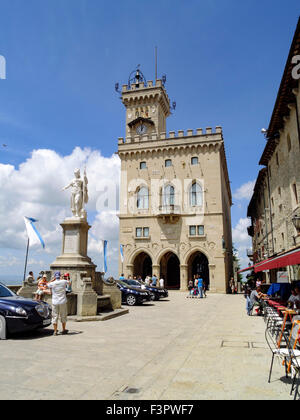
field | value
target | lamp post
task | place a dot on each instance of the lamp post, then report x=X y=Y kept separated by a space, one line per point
x=296 y=222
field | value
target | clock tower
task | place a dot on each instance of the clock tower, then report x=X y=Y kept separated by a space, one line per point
x=175 y=195
x=147 y=106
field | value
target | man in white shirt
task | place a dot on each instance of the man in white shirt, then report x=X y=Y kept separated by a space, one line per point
x=59 y=301
x=161 y=283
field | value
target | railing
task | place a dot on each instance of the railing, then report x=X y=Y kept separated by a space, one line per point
x=169 y=209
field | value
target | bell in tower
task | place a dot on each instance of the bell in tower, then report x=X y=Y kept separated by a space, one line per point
x=147 y=105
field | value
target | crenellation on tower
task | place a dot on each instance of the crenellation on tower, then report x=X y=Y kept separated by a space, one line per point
x=199 y=133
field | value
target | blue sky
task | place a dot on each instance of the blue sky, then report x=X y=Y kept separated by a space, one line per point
x=223 y=58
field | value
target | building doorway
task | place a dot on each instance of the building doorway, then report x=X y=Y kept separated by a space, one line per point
x=170 y=270
x=198 y=265
x=142 y=265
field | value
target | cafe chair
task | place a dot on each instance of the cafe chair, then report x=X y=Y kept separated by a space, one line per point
x=282 y=353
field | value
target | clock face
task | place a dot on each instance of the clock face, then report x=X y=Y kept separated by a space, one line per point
x=141 y=129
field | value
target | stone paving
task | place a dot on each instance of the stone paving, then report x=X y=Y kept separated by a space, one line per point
x=174 y=349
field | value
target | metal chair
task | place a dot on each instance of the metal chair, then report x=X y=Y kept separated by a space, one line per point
x=294 y=366
x=281 y=353
x=287 y=353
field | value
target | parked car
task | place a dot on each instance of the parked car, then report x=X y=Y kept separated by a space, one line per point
x=133 y=295
x=156 y=292
x=18 y=314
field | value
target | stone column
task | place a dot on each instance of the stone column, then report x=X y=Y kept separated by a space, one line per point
x=129 y=271
x=156 y=270
x=183 y=277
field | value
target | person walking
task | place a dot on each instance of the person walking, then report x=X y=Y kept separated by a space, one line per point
x=204 y=287
x=232 y=286
x=200 y=287
x=154 y=280
x=161 y=283
x=59 y=301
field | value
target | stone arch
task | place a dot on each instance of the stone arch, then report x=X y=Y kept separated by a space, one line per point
x=169 y=264
x=197 y=263
x=141 y=262
x=192 y=251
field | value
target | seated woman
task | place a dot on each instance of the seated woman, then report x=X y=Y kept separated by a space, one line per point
x=292 y=301
x=256 y=300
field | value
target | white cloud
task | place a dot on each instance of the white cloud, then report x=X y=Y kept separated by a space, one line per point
x=34 y=189
x=240 y=233
x=242 y=241
x=245 y=191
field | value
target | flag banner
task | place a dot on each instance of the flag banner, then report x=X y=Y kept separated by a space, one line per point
x=105 y=256
x=122 y=254
x=32 y=232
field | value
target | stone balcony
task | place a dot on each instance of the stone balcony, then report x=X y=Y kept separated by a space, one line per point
x=169 y=213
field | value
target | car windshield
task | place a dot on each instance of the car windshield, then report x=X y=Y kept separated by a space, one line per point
x=5 y=292
x=133 y=283
x=121 y=283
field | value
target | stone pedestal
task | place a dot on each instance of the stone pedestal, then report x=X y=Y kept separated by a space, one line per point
x=86 y=297
x=27 y=290
x=74 y=259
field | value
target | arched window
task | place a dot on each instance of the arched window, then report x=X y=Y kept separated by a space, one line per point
x=142 y=202
x=196 y=198
x=194 y=161
x=168 y=163
x=169 y=195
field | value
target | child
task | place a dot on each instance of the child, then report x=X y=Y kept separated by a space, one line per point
x=190 y=288
x=42 y=288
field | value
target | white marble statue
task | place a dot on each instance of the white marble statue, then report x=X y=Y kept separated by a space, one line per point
x=79 y=194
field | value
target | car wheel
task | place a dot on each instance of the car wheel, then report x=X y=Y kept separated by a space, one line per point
x=131 y=300
x=2 y=328
x=152 y=296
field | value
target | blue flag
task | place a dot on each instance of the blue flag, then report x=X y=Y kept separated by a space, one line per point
x=32 y=232
x=122 y=253
x=105 y=256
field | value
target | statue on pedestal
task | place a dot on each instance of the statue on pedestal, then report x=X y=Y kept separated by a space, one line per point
x=79 y=194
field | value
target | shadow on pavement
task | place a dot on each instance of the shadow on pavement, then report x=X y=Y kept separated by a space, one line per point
x=38 y=334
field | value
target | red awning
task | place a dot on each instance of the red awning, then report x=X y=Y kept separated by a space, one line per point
x=290 y=258
x=246 y=269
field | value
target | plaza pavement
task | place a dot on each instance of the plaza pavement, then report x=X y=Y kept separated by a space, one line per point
x=174 y=349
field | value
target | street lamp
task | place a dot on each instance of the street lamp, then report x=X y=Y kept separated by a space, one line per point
x=296 y=222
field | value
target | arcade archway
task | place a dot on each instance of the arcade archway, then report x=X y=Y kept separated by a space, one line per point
x=170 y=270
x=198 y=265
x=142 y=265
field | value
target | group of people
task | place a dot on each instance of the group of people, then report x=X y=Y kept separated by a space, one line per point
x=57 y=287
x=149 y=281
x=197 y=287
x=255 y=298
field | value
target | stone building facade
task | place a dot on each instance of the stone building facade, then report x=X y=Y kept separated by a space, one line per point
x=275 y=206
x=175 y=198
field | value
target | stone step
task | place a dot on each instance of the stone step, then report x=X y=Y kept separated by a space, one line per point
x=104 y=316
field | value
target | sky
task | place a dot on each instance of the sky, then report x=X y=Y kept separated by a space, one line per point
x=224 y=60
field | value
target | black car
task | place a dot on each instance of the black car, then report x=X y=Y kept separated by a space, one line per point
x=18 y=314
x=133 y=295
x=156 y=292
